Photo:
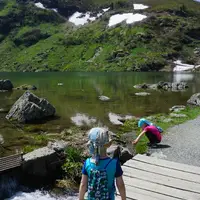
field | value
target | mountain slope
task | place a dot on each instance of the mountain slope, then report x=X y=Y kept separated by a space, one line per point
x=35 y=39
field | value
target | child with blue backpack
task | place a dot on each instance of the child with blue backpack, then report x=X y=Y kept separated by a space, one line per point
x=152 y=132
x=100 y=171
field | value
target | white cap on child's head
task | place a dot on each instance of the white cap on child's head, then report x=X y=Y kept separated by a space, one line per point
x=98 y=136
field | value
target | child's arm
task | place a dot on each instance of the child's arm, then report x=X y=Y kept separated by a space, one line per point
x=138 y=138
x=83 y=187
x=121 y=187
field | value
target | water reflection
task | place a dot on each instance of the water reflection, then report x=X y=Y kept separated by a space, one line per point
x=114 y=118
x=83 y=119
x=117 y=119
x=183 y=77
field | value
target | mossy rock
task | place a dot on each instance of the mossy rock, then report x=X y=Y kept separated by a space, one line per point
x=34 y=128
x=26 y=87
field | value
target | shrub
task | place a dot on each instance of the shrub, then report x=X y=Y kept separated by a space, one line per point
x=30 y=37
x=1 y=37
x=73 y=164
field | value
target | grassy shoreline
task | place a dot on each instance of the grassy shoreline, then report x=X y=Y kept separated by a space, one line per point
x=162 y=121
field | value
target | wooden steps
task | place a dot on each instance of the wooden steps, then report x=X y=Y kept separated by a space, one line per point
x=148 y=178
x=10 y=162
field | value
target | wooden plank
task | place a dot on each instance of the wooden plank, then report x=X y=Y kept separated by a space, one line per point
x=12 y=157
x=163 y=171
x=168 y=191
x=119 y=198
x=144 y=194
x=8 y=167
x=161 y=179
x=168 y=164
x=132 y=194
x=2 y=165
x=10 y=162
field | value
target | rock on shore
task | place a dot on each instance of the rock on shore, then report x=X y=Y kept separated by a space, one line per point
x=194 y=99
x=45 y=160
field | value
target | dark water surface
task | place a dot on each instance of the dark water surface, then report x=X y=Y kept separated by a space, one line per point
x=76 y=99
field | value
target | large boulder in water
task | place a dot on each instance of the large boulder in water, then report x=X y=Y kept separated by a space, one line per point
x=175 y=86
x=179 y=86
x=29 y=108
x=6 y=85
x=194 y=99
x=26 y=87
x=164 y=86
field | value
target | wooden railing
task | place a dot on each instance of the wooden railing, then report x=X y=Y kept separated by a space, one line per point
x=10 y=162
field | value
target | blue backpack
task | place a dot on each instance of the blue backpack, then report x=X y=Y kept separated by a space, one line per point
x=159 y=128
x=98 y=184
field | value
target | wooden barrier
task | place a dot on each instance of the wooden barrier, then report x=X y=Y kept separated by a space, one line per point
x=10 y=162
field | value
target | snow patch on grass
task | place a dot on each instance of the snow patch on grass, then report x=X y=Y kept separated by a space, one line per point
x=139 y=6
x=40 y=5
x=79 y=18
x=130 y=18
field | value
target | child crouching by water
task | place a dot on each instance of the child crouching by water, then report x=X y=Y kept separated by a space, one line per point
x=152 y=132
x=100 y=172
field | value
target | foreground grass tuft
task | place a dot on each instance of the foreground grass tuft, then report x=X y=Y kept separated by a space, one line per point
x=73 y=164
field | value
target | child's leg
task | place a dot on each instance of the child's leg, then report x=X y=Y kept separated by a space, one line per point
x=152 y=138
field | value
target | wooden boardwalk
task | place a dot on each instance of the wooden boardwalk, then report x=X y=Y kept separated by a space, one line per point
x=148 y=178
x=10 y=162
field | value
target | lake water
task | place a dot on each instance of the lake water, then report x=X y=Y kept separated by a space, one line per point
x=75 y=97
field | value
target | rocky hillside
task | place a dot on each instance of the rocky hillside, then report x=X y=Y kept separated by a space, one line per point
x=47 y=36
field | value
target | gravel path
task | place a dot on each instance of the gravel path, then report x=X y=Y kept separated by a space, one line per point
x=184 y=142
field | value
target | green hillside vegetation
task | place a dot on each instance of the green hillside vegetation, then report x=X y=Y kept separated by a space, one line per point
x=34 y=39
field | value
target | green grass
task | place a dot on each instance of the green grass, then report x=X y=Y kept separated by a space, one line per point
x=160 y=5
x=139 y=50
x=191 y=113
x=34 y=141
x=10 y=4
x=44 y=28
x=73 y=163
x=40 y=41
x=29 y=148
x=95 y=4
x=131 y=125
